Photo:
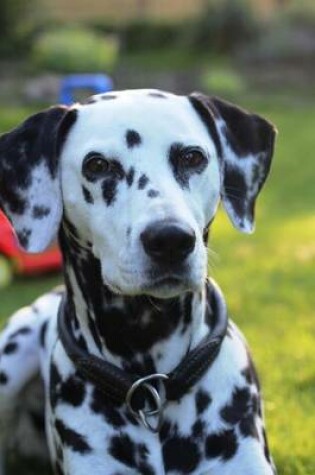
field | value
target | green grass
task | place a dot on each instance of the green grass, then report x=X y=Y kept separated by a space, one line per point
x=268 y=280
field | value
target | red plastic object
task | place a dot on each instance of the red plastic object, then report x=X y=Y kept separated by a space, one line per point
x=24 y=263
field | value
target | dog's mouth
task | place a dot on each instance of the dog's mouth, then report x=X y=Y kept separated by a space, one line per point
x=167 y=281
x=157 y=282
x=166 y=286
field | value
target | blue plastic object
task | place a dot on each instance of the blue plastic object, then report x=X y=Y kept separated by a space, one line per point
x=97 y=83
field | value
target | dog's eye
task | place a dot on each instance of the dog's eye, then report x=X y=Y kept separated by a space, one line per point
x=193 y=158
x=95 y=165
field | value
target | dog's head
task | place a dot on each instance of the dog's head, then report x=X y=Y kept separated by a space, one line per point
x=139 y=174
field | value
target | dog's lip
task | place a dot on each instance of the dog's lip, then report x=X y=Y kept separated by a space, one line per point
x=166 y=280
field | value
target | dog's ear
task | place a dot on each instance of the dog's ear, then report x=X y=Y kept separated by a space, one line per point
x=30 y=193
x=245 y=144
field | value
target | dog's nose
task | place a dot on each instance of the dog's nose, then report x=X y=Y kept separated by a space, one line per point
x=168 y=242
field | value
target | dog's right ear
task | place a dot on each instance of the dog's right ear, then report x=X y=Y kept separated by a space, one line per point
x=30 y=193
x=245 y=145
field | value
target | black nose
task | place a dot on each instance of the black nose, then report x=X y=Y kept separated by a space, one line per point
x=168 y=242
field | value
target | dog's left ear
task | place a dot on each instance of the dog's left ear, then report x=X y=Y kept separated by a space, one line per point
x=245 y=144
x=30 y=193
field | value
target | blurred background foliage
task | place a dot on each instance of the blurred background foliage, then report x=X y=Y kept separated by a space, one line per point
x=257 y=53
x=252 y=42
x=74 y=50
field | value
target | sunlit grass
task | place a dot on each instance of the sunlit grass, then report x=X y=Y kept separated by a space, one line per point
x=268 y=279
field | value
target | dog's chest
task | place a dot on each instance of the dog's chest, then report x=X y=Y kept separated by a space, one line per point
x=86 y=430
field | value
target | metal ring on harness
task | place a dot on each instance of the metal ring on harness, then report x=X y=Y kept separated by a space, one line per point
x=143 y=414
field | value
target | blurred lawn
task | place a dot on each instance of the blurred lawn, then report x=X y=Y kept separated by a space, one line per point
x=268 y=279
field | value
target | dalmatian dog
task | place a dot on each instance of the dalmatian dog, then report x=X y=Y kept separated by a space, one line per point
x=131 y=182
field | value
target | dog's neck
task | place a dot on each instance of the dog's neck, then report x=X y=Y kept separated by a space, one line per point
x=140 y=334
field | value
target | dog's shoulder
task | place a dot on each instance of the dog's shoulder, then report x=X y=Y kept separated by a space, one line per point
x=24 y=338
x=231 y=383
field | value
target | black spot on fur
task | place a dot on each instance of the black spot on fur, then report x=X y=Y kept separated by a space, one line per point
x=42 y=333
x=187 y=311
x=223 y=445
x=198 y=429
x=166 y=430
x=235 y=189
x=89 y=101
x=203 y=399
x=13 y=200
x=153 y=193
x=110 y=183
x=72 y=391
x=87 y=195
x=181 y=454
x=20 y=331
x=24 y=236
x=133 y=138
x=181 y=172
x=130 y=176
x=71 y=438
x=55 y=382
x=127 y=452
x=40 y=212
x=143 y=181
x=158 y=95
x=234 y=412
x=266 y=448
x=250 y=373
x=146 y=469
x=71 y=227
x=248 y=427
x=10 y=348
x=108 y=97
x=109 y=188
x=104 y=407
x=133 y=335
x=3 y=378
x=123 y=449
x=243 y=410
x=63 y=131
x=94 y=332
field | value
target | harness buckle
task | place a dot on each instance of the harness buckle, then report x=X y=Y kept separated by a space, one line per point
x=157 y=401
